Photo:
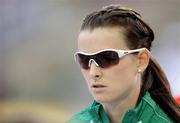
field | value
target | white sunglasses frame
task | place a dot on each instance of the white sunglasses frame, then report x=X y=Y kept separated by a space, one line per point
x=121 y=53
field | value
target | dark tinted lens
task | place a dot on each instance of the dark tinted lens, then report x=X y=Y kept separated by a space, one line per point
x=83 y=60
x=107 y=58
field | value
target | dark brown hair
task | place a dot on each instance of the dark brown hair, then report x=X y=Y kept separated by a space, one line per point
x=138 y=34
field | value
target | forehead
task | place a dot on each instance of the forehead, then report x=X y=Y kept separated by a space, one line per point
x=102 y=38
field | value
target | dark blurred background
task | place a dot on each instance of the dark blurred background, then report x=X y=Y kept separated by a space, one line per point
x=37 y=42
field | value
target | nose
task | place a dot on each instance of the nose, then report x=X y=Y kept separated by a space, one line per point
x=95 y=71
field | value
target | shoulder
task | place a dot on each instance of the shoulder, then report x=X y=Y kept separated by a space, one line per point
x=80 y=117
x=84 y=116
x=147 y=111
x=158 y=115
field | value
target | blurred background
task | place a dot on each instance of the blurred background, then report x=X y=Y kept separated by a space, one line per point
x=39 y=79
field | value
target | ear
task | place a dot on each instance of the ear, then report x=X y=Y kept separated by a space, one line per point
x=143 y=60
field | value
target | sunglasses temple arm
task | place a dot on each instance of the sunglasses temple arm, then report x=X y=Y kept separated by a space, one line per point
x=136 y=50
x=129 y=52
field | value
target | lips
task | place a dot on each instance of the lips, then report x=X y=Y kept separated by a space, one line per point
x=98 y=86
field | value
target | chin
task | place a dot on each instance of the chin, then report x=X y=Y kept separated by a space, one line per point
x=105 y=98
x=101 y=99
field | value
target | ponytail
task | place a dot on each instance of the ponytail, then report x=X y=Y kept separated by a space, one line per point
x=155 y=81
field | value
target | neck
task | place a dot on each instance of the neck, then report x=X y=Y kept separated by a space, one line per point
x=117 y=109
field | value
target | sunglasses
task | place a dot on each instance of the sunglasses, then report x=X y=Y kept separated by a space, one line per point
x=104 y=58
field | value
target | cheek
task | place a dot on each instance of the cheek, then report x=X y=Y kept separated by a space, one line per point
x=128 y=65
x=125 y=70
x=85 y=74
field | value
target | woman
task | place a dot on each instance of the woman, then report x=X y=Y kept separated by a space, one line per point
x=127 y=84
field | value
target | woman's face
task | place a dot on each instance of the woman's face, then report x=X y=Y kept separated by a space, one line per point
x=114 y=83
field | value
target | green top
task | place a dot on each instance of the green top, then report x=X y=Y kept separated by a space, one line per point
x=147 y=111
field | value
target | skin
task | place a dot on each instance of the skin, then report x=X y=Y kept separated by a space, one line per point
x=122 y=81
